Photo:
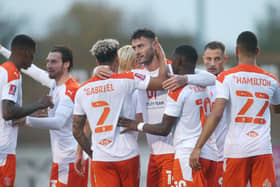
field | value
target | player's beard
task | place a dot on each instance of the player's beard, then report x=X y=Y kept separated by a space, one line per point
x=56 y=74
x=149 y=57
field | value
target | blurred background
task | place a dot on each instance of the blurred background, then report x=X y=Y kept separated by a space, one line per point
x=78 y=24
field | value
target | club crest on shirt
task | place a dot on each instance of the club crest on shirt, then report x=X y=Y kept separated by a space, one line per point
x=140 y=76
x=12 y=89
x=105 y=142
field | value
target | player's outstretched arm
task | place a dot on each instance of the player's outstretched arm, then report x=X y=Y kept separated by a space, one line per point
x=200 y=78
x=63 y=112
x=13 y=111
x=209 y=126
x=33 y=71
x=78 y=132
x=39 y=75
x=5 y=52
x=161 y=129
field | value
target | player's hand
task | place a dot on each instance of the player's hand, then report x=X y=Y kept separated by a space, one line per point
x=194 y=159
x=44 y=102
x=19 y=122
x=174 y=82
x=128 y=124
x=159 y=52
x=103 y=72
x=80 y=165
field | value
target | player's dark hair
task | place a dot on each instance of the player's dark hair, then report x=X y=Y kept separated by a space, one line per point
x=215 y=45
x=188 y=53
x=247 y=43
x=146 y=33
x=186 y=56
x=23 y=42
x=66 y=54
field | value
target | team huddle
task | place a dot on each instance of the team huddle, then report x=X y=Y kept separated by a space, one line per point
x=203 y=128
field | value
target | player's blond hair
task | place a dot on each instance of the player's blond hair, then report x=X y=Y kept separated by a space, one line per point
x=127 y=57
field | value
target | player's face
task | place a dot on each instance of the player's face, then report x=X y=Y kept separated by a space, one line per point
x=54 y=65
x=176 y=64
x=28 y=58
x=144 y=50
x=214 y=60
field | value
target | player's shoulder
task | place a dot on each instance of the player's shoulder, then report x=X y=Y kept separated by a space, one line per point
x=124 y=75
x=244 y=68
x=265 y=73
x=11 y=70
x=71 y=87
x=174 y=95
x=221 y=77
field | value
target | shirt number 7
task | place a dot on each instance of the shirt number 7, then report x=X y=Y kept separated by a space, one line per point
x=100 y=127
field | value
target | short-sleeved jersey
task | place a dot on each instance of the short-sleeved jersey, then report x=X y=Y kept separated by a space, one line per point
x=222 y=128
x=249 y=91
x=63 y=143
x=102 y=102
x=10 y=89
x=153 y=103
x=191 y=104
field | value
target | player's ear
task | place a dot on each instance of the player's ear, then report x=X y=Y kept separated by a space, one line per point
x=257 y=51
x=225 y=59
x=204 y=59
x=97 y=62
x=236 y=50
x=66 y=64
x=117 y=59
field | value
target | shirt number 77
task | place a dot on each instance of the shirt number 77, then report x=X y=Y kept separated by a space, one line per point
x=241 y=116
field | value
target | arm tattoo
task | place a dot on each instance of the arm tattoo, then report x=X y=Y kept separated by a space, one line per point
x=78 y=132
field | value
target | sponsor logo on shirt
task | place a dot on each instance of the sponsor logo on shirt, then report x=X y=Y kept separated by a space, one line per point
x=140 y=76
x=105 y=142
x=252 y=134
x=12 y=89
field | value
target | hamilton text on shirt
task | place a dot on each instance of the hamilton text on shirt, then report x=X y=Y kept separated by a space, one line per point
x=252 y=80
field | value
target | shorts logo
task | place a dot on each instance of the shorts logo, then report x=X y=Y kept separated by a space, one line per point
x=220 y=181
x=53 y=183
x=267 y=183
x=12 y=89
x=7 y=181
x=140 y=76
x=105 y=142
x=252 y=134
